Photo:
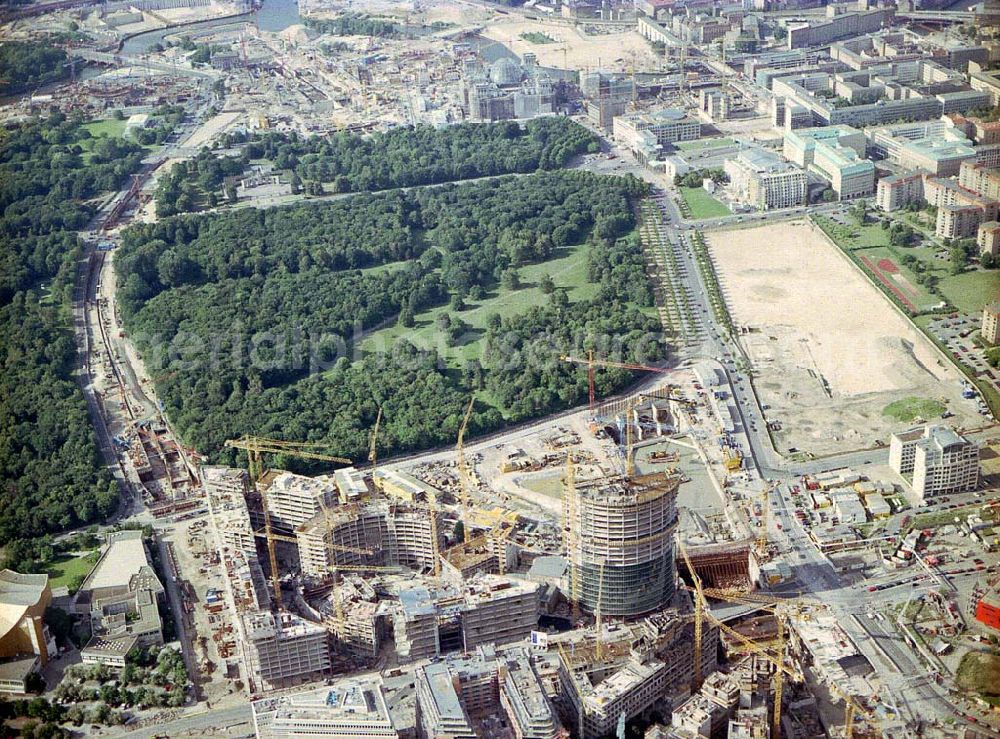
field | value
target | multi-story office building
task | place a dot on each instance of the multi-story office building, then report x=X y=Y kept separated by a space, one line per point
x=282 y=649
x=838 y=26
x=667 y=126
x=487 y=609
x=459 y=697
x=622 y=554
x=836 y=153
x=659 y=663
x=395 y=534
x=352 y=708
x=936 y=460
x=761 y=180
x=935 y=147
x=226 y=490
x=987 y=81
x=294 y=499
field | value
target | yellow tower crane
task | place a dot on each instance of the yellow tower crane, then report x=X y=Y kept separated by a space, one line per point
x=781 y=669
x=700 y=609
x=256 y=447
x=373 y=441
x=463 y=472
x=782 y=609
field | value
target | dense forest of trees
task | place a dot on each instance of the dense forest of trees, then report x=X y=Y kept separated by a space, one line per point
x=49 y=464
x=237 y=311
x=402 y=157
x=356 y=24
x=25 y=65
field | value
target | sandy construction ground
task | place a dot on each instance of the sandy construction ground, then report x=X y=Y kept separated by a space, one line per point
x=829 y=351
x=614 y=51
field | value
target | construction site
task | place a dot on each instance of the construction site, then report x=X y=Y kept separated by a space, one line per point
x=632 y=608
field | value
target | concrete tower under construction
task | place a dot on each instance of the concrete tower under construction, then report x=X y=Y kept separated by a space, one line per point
x=620 y=542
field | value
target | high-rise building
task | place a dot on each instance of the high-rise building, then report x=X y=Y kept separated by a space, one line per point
x=991 y=323
x=282 y=649
x=622 y=553
x=936 y=460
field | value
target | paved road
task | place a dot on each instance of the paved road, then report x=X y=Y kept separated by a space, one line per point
x=214 y=722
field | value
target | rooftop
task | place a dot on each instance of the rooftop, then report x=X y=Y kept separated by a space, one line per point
x=124 y=557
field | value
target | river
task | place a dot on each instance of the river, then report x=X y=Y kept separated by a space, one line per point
x=274 y=15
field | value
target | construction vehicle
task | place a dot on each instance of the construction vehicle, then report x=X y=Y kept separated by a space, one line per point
x=255 y=447
x=732 y=459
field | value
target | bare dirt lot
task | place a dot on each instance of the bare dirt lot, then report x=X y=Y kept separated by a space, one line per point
x=828 y=350
x=613 y=51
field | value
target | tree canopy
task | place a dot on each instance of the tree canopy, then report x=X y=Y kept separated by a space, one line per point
x=249 y=316
x=402 y=157
x=28 y=64
x=52 y=475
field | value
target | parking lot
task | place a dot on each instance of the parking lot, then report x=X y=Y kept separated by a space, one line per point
x=956 y=332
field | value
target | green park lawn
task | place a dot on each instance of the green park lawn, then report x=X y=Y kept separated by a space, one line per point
x=971 y=290
x=703 y=144
x=907 y=409
x=105 y=128
x=701 y=204
x=853 y=236
x=67 y=570
x=568 y=270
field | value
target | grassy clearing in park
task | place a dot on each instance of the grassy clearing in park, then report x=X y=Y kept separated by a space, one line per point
x=568 y=270
x=68 y=571
x=852 y=236
x=703 y=144
x=701 y=204
x=907 y=409
x=105 y=128
x=971 y=290
x=980 y=673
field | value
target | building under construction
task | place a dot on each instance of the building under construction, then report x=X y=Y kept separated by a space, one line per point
x=394 y=534
x=620 y=534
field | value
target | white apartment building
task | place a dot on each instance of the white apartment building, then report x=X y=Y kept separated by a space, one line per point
x=935 y=460
x=759 y=179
